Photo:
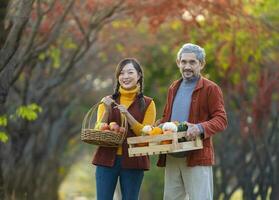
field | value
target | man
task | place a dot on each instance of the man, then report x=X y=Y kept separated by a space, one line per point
x=199 y=102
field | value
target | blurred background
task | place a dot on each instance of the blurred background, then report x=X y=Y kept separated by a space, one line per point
x=58 y=59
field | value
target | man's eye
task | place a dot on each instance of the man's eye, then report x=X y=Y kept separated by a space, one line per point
x=192 y=62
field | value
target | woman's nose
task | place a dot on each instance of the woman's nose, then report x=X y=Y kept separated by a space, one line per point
x=125 y=75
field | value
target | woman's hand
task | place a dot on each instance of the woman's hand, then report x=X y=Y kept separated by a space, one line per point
x=107 y=101
x=122 y=109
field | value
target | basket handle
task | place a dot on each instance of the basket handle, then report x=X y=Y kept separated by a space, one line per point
x=124 y=123
x=88 y=118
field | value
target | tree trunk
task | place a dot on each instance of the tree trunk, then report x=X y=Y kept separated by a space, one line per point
x=3 y=30
x=1 y=175
x=42 y=185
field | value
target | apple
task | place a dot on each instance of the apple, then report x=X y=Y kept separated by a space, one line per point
x=104 y=126
x=113 y=126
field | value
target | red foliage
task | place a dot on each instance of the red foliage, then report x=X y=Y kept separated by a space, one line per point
x=268 y=84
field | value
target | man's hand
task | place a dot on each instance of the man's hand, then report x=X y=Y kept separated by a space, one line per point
x=192 y=132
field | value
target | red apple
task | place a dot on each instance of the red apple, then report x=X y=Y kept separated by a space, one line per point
x=113 y=126
x=104 y=126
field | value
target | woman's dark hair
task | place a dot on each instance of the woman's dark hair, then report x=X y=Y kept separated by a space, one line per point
x=139 y=70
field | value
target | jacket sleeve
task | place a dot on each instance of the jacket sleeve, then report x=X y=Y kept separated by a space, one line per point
x=217 y=115
x=167 y=106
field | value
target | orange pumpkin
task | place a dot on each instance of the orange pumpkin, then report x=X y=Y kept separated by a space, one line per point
x=156 y=131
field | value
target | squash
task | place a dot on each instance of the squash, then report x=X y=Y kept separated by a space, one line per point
x=182 y=127
x=146 y=129
x=156 y=131
x=169 y=126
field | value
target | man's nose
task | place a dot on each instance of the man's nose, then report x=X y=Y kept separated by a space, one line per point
x=187 y=66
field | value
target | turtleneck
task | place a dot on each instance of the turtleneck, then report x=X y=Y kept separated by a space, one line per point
x=128 y=96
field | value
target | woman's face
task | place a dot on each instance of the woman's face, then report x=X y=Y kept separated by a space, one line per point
x=128 y=77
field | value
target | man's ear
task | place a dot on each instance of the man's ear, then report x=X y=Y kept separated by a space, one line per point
x=177 y=62
x=203 y=64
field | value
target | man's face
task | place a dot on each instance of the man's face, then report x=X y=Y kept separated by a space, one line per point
x=189 y=66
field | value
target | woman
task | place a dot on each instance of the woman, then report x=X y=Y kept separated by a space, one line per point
x=113 y=163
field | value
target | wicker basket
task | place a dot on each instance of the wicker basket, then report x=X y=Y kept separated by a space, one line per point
x=105 y=138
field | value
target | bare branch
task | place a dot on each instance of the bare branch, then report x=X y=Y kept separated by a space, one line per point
x=13 y=38
x=55 y=30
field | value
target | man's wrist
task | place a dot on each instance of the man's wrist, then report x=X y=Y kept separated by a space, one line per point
x=201 y=131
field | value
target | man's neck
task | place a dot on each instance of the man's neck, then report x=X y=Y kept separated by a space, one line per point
x=191 y=79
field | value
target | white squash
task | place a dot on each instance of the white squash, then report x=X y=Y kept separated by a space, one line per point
x=169 y=126
x=146 y=129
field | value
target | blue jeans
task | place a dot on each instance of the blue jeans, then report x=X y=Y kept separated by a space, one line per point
x=106 y=180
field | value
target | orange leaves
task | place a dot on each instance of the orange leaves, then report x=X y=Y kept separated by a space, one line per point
x=90 y=5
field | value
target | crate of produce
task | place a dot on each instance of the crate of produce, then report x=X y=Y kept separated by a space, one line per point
x=166 y=141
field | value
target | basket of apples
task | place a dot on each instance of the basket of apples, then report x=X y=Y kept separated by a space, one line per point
x=103 y=134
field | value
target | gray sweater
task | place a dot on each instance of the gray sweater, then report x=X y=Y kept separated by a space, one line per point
x=182 y=103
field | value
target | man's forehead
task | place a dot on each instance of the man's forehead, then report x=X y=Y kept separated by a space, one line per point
x=188 y=56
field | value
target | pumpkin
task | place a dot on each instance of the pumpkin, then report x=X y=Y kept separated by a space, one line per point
x=156 y=131
x=169 y=126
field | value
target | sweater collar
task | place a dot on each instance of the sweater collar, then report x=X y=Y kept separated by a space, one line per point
x=129 y=94
x=177 y=83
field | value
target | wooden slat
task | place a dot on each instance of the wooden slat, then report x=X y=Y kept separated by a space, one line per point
x=157 y=148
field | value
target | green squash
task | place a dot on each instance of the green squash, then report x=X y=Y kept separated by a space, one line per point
x=182 y=127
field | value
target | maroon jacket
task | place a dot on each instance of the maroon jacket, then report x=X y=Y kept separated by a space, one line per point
x=207 y=108
x=105 y=156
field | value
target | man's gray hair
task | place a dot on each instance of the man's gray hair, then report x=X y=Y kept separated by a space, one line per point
x=192 y=48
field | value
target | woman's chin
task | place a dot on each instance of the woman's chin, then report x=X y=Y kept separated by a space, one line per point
x=128 y=87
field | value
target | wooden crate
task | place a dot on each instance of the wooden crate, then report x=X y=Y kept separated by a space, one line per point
x=154 y=146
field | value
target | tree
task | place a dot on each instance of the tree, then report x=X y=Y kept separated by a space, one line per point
x=47 y=66
x=35 y=69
